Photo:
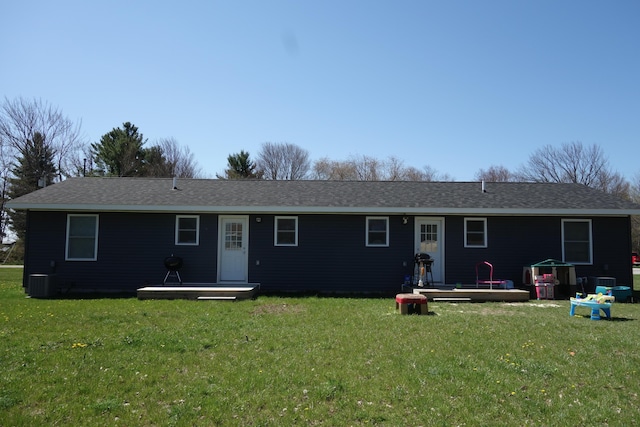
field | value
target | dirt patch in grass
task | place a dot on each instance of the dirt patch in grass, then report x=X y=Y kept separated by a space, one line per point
x=502 y=309
x=539 y=304
x=492 y=311
x=278 y=309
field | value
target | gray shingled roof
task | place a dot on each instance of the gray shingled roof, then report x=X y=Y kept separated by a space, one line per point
x=247 y=196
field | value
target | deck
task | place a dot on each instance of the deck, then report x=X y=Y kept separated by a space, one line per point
x=468 y=294
x=224 y=292
x=200 y=291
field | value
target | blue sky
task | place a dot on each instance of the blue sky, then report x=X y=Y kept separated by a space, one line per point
x=452 y=84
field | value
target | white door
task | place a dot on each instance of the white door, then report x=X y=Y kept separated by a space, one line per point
x=429 y=239
x=233 y=253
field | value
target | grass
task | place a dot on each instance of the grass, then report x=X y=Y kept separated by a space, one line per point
x=312 y=361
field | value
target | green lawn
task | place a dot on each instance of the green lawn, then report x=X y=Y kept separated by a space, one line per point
x=312 y=361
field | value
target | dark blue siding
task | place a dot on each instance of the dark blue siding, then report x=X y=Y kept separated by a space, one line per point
x=44 y=242
x=131 y=251
x=515 y=242
x=611 y=254
x=331 y=256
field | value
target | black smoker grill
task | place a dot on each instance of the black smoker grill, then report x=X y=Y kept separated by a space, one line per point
x=173 y=264
x=422 y=260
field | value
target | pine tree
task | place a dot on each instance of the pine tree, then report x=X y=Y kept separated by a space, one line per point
x=239 y=166
x=34 y=169
x=120 y=152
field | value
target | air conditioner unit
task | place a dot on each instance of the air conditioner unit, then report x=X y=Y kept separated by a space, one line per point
x=602 y=281
x=41 y=285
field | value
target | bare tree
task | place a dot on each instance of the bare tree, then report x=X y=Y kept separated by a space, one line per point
x=333 y=170
x=366 y=168
x=168 y=159
x=322 y=169
x=81 y=162
x=427 y=174
x=634 y=194
x=394 y=169
x=283 y=161
x=571 y=162
x=5 y=176
x=614 y=183
x=20 y=119
x=431 y=174
x=179 y=158
x=634 y=189
x=414 y=174
x=495 y=174
x=577 y=163
x=21 y=122
x=356 y=168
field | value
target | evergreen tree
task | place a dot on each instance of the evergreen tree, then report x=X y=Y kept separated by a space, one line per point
x=34 y=169
x=156 y=164
x=239 y=166
x=120 y=152
x=27 y=126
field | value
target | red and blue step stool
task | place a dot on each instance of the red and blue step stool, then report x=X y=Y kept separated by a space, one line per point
x=411 y=304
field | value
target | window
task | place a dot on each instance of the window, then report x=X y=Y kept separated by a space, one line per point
x=82 y=238
x=475 y=232
x=187 y=229
x=286 y=231
x=576 y=241
x=377 y=231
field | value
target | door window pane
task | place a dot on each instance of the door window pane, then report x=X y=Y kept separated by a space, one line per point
x=233 y=236
x=429 y=238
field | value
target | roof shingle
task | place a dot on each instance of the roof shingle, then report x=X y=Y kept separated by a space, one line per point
x=212 y=195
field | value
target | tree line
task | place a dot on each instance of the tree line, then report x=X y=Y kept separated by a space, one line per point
x=286 y=161
x=568 y=163
x=40 y=146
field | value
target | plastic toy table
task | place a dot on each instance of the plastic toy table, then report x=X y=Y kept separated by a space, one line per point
x=595 y=303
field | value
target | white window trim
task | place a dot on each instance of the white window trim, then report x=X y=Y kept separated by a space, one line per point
x=466 y=242
x=177 y=231
x=275 y=231
x=95 y=238
x=564 y=257
x=377 y=245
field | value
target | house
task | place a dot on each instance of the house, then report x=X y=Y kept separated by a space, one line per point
x=113 y=234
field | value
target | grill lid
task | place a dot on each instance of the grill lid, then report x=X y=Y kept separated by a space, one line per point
x=173 y=263
x=422 y=257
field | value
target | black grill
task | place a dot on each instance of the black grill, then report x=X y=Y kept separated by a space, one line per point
x=423 y=258
x=173 y=263
x=422 y=269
